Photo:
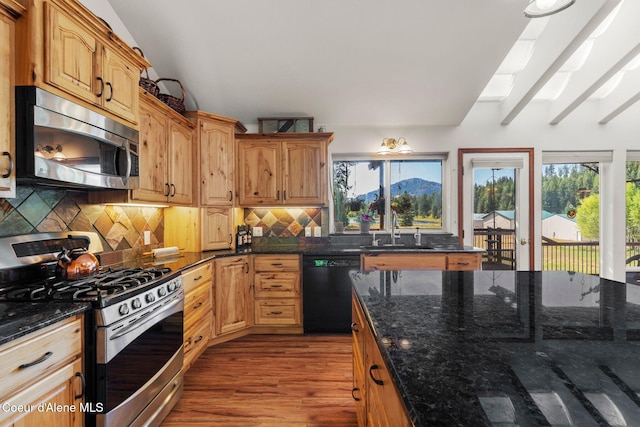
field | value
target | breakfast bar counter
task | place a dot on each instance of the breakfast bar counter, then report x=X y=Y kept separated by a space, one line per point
x=484 y=348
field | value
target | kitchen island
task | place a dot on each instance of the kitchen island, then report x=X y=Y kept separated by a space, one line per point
x=489 y=348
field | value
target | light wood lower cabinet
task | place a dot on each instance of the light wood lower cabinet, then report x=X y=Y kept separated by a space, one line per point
x=198 y=311
x=277 y=291
x=233 y=296
x=44 y=370
x=422 y=261
x=378 y=402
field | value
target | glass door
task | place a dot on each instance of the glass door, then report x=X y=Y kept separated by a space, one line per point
x=495 y=200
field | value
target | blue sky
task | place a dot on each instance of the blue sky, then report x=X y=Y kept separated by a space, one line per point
x=364 y=180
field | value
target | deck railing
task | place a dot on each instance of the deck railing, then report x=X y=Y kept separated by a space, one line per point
x=583 y=257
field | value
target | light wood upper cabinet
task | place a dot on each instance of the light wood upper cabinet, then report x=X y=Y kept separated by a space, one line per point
x=67 y=50
x=215 y=139
x=304 y=166
x=166 y=154
x=283 y=169
x=9 y=9
x=259 y=180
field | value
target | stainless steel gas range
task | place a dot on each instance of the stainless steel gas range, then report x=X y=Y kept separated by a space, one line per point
x=134 y=332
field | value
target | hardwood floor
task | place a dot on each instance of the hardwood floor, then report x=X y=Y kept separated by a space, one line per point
x=270 y=380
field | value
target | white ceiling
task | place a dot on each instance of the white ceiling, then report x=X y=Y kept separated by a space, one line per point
x=374 y=63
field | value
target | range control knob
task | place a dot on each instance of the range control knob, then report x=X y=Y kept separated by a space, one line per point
x=136 y=303
x=150 y=297
x=123 y=309
x=162 y=291
x=172 y=286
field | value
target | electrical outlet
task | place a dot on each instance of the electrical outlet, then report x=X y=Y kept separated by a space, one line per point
x=317 y=231
x=307 y=232
x=147 y=237
x=256 y=231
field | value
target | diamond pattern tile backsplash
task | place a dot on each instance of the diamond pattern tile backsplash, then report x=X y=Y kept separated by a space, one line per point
x=121 y=228
x=289 y=222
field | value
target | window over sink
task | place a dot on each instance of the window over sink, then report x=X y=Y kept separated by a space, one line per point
x=410 y=189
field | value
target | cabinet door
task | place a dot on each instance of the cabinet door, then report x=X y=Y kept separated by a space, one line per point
x=216 y=164
x=7 y=151
x=217 y=225
x=181 y=165
x=62 y=388
x=384 y=404
x=232 y=289
x=121 y=86
x=72 y=55
x=259 y=175
x=304 y=173
x=153 y=156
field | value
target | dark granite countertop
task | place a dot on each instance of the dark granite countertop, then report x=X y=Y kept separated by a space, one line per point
x=508 y=348
x=20 y=318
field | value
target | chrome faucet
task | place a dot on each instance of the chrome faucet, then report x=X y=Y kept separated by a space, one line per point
x=394 y=224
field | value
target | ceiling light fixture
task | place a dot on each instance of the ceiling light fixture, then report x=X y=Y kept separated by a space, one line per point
x=391 y=146
x=540 y=8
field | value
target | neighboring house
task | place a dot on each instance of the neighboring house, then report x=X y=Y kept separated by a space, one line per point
x=560 y=227
x=503 y=219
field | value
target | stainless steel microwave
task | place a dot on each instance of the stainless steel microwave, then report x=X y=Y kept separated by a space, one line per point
x=61 y=143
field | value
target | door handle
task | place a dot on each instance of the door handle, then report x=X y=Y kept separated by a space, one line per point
x=523 y=242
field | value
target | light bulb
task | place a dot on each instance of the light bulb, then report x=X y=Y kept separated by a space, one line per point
x=546 y=4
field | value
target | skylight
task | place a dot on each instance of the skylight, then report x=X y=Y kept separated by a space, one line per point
x=501 y=84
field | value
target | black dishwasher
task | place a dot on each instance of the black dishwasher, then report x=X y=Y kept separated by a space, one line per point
x=326 y=292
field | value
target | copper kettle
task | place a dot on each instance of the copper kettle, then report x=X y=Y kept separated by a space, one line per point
x=75 y=264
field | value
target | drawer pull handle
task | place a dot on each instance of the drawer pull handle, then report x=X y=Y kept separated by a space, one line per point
x=354 y=327
x=10 y=169
x=200 y=337
x=375 y=380
x=462 y=263
x=44 y=357
x=84 y=385
x=275 y=286
x=197 y=278
x=198 y=305
x=353 y=394
x=276 y=312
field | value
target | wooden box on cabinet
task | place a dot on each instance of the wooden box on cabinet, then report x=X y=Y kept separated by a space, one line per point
x=9 y=9
x=67 y=50
x=283 y=169
x=285 y=124
x=56 y=379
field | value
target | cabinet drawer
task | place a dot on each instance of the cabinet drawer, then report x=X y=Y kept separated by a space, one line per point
x=276 y=263
x=197 y=305
x=277 y=285
x=464 y=262
x=404 y=262
x=277 y=312
x=193 y=278
x=195 y=341
x=37 y=354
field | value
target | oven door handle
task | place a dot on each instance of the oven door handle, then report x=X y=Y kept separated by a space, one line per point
x=170 y=308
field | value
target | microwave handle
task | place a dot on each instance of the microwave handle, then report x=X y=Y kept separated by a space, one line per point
x=127 y=158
